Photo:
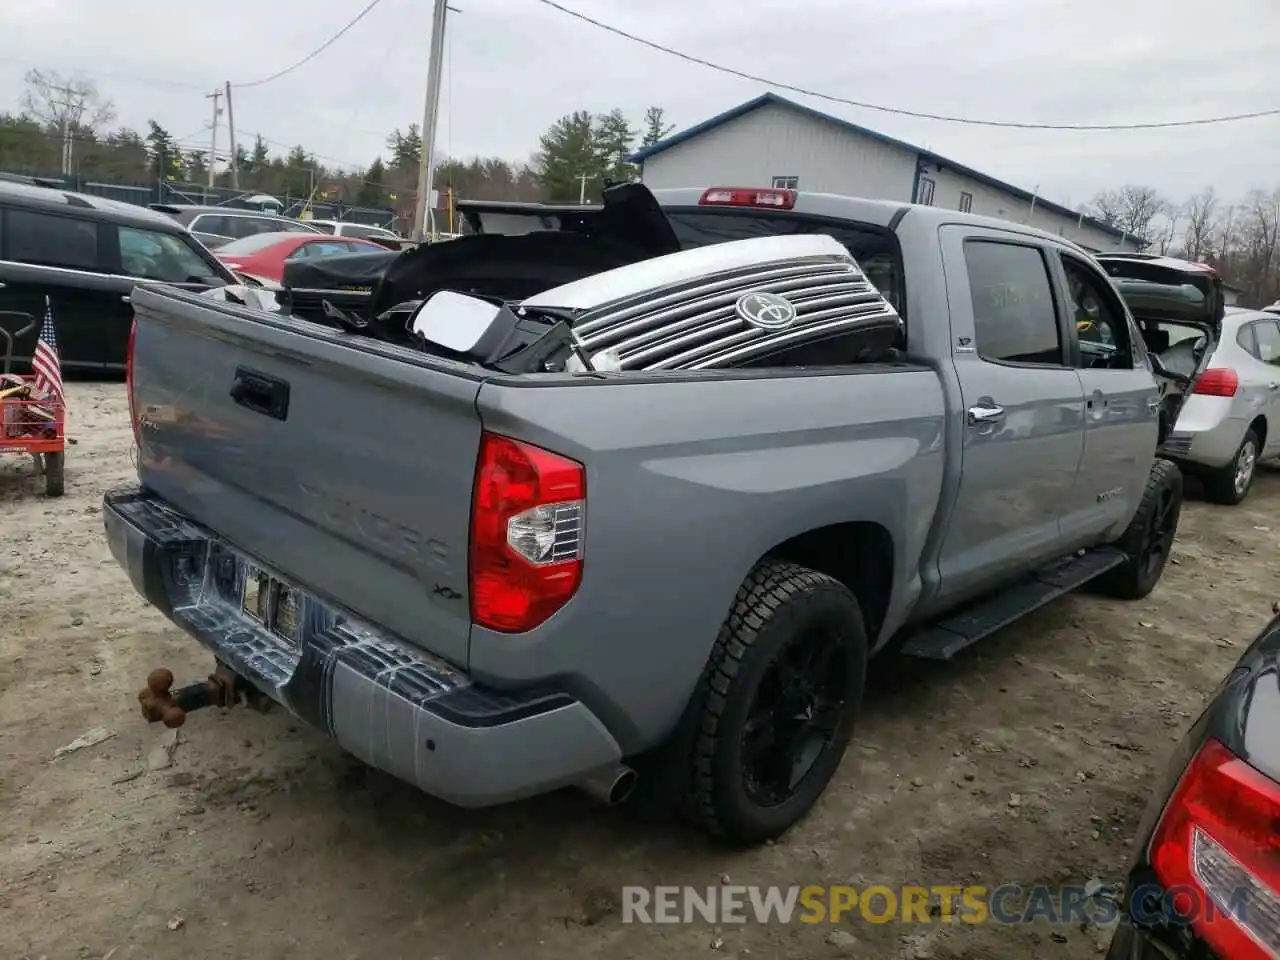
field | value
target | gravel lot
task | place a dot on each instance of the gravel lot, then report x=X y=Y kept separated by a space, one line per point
x=262 y=839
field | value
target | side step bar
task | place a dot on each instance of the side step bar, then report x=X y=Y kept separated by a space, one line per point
x=944 y=639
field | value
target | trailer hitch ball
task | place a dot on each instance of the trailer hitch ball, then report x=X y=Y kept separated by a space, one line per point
x=157 y=701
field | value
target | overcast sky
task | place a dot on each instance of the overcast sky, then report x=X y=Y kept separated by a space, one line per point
x=514 y=66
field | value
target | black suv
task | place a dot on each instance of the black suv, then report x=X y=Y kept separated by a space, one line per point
x=86 y=254
x=214 y=226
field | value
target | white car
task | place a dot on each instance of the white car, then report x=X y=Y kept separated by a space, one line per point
x=1232 y=418
x=345 y=228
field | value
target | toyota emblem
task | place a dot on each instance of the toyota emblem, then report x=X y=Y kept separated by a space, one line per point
x=765 y=310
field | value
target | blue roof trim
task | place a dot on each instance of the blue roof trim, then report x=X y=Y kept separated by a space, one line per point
x=772 y=99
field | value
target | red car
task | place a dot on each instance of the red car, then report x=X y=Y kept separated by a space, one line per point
x=263 y=255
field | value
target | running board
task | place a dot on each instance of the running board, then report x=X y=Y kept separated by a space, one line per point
x=944 y=639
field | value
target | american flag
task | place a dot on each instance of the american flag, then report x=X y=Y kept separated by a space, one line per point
x=45 y=364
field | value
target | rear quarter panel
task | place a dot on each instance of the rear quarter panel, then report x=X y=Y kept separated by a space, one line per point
x=689 y=483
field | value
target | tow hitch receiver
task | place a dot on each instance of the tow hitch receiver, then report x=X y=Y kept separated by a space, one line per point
x=160 y=702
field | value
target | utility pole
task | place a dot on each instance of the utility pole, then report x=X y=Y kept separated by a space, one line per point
x=231 y=133
x=213 y=137
x=66 y=105
x=582 y=179
x=422 y=215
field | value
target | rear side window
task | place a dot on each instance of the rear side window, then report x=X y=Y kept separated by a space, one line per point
x=321 y=248
x=214 y=224
x=1268 y=334
x=1014 y=317
x=875 y=249
x=51 y=241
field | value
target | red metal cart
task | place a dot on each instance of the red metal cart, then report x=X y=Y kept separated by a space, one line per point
x=30 y=423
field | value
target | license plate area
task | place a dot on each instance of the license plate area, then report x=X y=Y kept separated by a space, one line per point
x=273 y=604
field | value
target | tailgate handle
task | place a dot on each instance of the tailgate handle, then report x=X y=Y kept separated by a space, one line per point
x=261 y=393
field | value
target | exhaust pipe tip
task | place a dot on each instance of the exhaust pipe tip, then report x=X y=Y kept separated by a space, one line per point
x=610 y=785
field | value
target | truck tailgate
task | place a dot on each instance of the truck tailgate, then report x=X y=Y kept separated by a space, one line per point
x=344 y=464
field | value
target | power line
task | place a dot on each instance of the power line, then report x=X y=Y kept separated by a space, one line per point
x=969 y=121
x=317 y=51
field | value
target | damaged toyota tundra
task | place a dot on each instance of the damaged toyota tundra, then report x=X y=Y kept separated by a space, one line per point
x=625 y=497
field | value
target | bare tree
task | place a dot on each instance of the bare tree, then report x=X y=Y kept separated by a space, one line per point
x=69 y=105
x=1201 y=212
x=1224 y=236
x=1259 y=245
x=1132 y=209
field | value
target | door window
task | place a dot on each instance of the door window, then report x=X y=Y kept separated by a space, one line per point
x=51 y=241
x=1268 y=334
x=1014 y=317
x=1099 y=318
x=160 y=256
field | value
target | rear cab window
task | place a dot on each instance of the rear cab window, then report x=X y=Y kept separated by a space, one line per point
x=52 y=240
x=875 y=248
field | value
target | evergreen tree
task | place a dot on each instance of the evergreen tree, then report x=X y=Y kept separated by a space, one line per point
x=566 y=152
x=614 y=137
x=655 y=126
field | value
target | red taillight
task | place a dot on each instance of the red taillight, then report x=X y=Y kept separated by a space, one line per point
x=748 y=197
x=128 y=377
x=1217 y=853
x=1217 y=382
x=526 y=534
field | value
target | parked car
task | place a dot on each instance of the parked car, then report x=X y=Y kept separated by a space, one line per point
x=264 y=255
x=1232 y=419
x=346 y=228
x=1205 y=878
x=215 y=226
x=636 y=510
x=86 y=254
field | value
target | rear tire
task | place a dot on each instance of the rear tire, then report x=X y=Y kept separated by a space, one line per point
x=776 y=703
x=1229 y=485
x=1148 y=539
x=54 y=477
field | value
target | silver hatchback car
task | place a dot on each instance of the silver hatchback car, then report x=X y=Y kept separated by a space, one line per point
x=1232 y=418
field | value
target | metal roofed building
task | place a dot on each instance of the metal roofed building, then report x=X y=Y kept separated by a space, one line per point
x=773 y=141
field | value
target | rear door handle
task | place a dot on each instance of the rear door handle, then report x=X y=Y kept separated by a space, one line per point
x=985 y=413
x=1274 y=386
x=261 y=393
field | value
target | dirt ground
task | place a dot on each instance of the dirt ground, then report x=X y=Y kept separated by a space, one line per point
x=261 y=839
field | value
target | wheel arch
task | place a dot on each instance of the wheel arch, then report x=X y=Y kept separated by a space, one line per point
x=1259 y=427
x=860 y=554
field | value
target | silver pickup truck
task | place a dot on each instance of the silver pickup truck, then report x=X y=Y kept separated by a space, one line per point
x=626 y=497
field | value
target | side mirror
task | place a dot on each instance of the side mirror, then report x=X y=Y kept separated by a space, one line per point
x=452 y=320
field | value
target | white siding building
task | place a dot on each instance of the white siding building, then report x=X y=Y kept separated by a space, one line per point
x=772 y=141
